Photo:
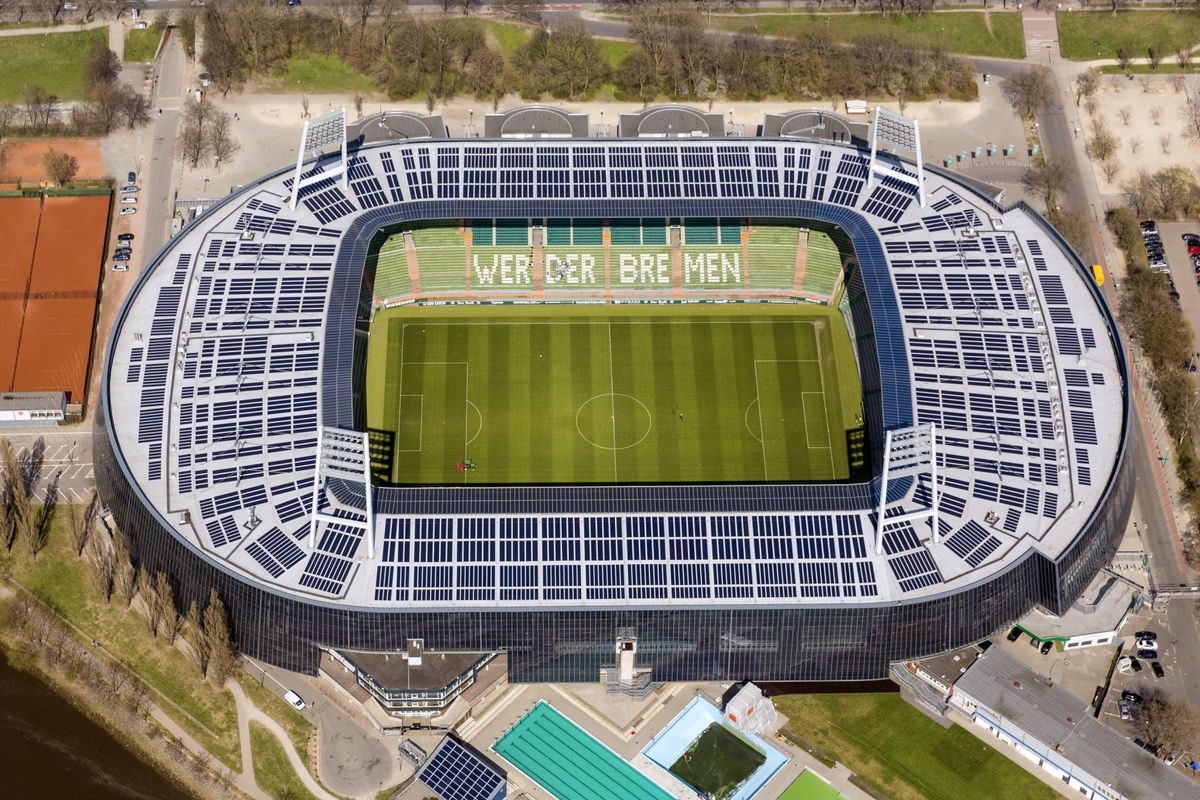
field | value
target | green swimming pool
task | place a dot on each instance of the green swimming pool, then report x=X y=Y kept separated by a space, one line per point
x=570 y=763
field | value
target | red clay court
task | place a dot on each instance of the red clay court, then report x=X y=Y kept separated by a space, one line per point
x=51 y=254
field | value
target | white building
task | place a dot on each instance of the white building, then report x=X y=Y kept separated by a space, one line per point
x=1055 y=730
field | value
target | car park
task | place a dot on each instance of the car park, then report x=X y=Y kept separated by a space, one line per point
x=1157 y=669
x=1014 y=634
x=1046 y=647
x=128 y=211
x=294 y=700
x=1123 y=708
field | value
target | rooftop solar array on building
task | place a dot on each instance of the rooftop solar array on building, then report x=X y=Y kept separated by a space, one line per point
x=238 y=344
x=457 y=772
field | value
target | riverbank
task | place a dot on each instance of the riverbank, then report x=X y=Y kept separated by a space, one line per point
x=36 y=645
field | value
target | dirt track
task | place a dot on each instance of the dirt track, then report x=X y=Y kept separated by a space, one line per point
x=22 y=158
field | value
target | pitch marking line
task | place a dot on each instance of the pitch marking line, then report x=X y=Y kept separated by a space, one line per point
x=824 y=404
x=614 y=396
x=807 y=437
x=420 y=426
x=757 y=400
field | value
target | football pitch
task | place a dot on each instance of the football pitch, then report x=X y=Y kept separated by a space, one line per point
x=611 y=394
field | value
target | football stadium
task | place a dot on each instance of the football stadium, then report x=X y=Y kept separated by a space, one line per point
x=747 y=407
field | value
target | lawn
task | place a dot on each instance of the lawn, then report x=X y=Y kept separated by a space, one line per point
x=54 y=61
x=1091 y=35
x=718 y=762
x=142 y=45
x=299 y=729
x=61 y=580
x=992 y=34
x=609 y=394
x=272 y=770
x=903 y=754
x=320 y=75
x=509 y=38
x=615 y=51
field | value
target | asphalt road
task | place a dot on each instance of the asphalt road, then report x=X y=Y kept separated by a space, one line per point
x=157 y=202
x=57 y=456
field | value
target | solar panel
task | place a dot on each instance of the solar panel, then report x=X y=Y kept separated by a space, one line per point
x=457 y=772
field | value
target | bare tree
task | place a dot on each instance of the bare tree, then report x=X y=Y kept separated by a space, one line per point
x=83 y=517
x=39 y=531
x=125 y=574
x=1191 y=119
x=197 y=639
x=41 y=107
x=1111 y=169
x=222 y=653
x=135 y=108
x=16 y=506
x=1156 y=115
x=1126 y=115
x=8 y=115
x=1154 y=55
x=1135 y=144
x=101 y=565
x=1183 y=57
x=1029 y=90
x=60 y=166
x=1102 y=145
x=1166 y=724
x=146 y=594
x=220 y=141
x=194 y=139
x=1164 y=142
x=102 y=65
x=1047 y=177
x=1124 y=58
x=164 y=599
x=1086 y=84
x=1178 y=83
x=521 y=10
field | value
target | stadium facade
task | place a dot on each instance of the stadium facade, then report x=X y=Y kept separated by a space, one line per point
x=246 y=336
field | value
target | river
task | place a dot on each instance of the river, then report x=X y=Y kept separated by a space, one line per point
x=49 y=750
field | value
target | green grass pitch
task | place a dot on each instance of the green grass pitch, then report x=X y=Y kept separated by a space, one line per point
x=717 y=762
x=612 y=394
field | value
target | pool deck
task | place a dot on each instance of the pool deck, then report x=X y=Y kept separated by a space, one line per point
x=486 y=724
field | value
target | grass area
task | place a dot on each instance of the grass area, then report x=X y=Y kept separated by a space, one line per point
x=299 y=729
x=1164 y=68
x=54 y=61
x=61 y=580
x=509 y=38
x=555 y=394
x=995 y=34
x=717 y=762
x=615 y=51
x=272 y=770
x=810 y=786
x=903 y=754
x=320 y=74
x=386 y=794
x=1085 y=36
x=142 y=45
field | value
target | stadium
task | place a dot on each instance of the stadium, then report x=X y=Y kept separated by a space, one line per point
x=770 y=408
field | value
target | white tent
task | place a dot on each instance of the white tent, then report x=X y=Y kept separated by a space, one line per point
x=750 y=711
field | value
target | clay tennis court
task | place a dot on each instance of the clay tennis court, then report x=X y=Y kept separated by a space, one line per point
x=23 y=158
x=49 y=288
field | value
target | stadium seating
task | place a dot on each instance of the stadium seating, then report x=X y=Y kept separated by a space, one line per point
x=625 y=231
x=824 y=265
x=772 y=254
x=700 y=231
x=442 y=256
x=654 y=231
x=391 y=270
x=512 y=231
x=558 y=231
x=587 y=231
x=731 y=231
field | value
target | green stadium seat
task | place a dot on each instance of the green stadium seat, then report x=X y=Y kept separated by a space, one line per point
x=731 y=231
x=482 y=232
x=771 y=251
x=625 y=231
x=558 y=231
x=654 y=231
x=700 y=230
x=512 y=231
x=391 y=270
x=824 y=265
x=588 y=231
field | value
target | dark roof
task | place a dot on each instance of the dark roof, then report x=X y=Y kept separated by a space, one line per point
x=457 y=771
x=393 y=670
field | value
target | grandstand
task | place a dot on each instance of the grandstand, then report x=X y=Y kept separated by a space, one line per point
x=243 y=349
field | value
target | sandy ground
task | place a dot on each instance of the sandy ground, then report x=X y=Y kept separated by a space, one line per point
x=268 y=126
x=1141 y=141
x=23 y=158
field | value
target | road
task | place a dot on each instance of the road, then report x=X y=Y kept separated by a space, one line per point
x=157 y=201
x=54 y=455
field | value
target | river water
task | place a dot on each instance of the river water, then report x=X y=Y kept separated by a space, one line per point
x=50 y=750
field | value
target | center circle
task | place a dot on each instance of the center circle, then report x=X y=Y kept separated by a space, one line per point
x=613 y=421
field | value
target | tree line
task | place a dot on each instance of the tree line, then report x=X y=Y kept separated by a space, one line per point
x=673 y=56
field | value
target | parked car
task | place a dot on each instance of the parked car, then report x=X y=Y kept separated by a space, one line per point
x=294 y=699
x=1046 y=647
x=124 y=237
x=1171 y=758
x=1132 y=698
x=1014 y=634
x=1135 y=665
x=1147 y=644
x=130 y=189
x=1123 y=708
x=1157 y=669
x=128 y=211
x=129 y=200
x=120 y=266
x=141 y=25
x=1148 y=225
x=1147 y=654
x=1034 y=642
x=132 y=178
x=121 y=256
x=293 y=3
x=1145 y=635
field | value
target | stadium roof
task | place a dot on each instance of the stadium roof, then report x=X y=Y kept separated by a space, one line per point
x=236 y=343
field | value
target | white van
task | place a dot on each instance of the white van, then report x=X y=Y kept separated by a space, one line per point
x=295 y=700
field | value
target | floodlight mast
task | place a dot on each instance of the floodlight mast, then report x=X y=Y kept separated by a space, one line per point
x=908 y=453
x=345 y=455
x=903 y=133
x=318 y=134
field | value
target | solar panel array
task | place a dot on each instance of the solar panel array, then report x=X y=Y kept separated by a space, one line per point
x=457 y=773
x=973 y=315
